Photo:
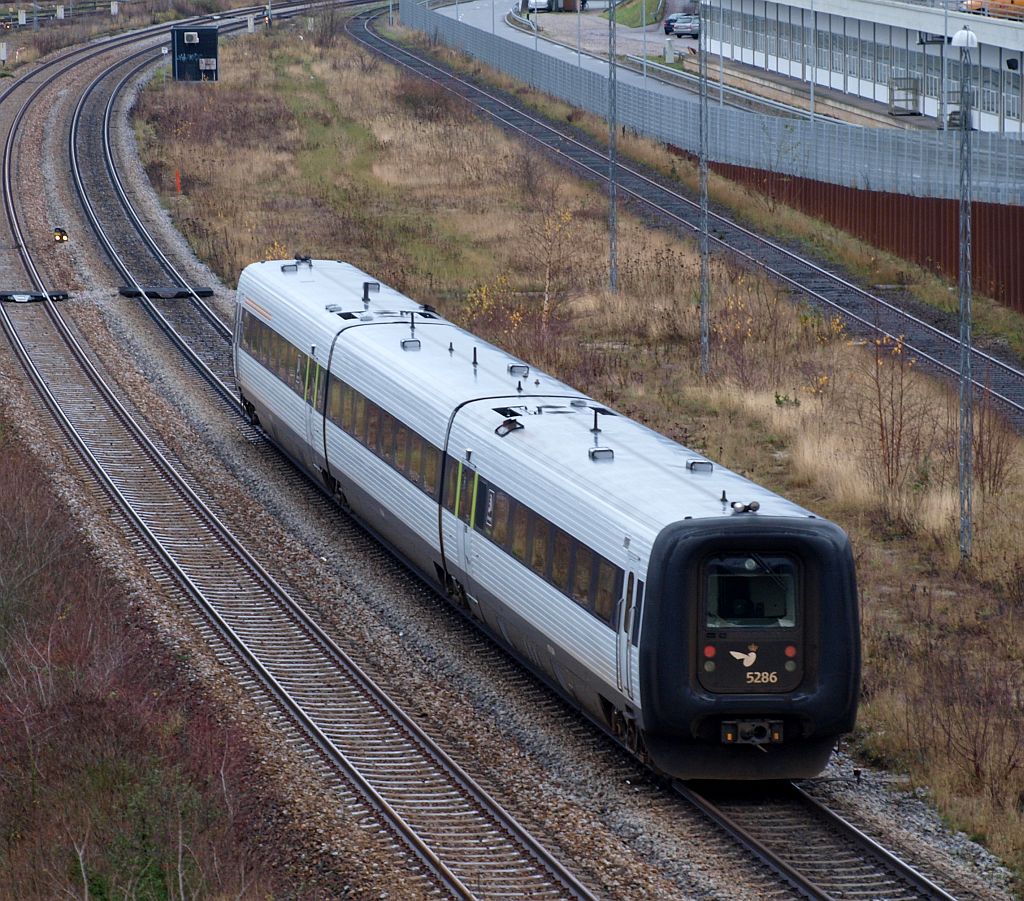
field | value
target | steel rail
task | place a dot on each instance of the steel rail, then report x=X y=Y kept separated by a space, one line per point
x=793 y=877
x=902 y=877
x=407 y=834
x=920 y=882
x=224 y=391
x=180 y=577
x=598 y=172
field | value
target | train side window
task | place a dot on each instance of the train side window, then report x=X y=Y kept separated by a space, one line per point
x=401 y=447
x=372 y=425
x=251 y=326
x=582 y=577
x=259 y=341
x=561 y=549
x=431 y=465
x=466 y=495
x=345 y=419
x=636 y=612
x=334 y=394
x=267 y=346
x=280 y=357
x=520 y=523
x=484 y=519
x=283 y=369
x=271 y=351
x=451 y=482
x=499 y=533
x=387 y=437
x=539 y=556
x=298 y=362
x=415 y=467
x=359 y=417
x=609 y=582
x=246 y=331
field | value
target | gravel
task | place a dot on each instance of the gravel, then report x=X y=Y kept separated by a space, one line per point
x=608 y=818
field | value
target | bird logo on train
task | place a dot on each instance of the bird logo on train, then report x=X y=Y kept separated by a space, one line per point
x=747 y=659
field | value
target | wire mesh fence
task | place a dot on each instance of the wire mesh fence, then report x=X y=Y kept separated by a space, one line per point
x=913 y=163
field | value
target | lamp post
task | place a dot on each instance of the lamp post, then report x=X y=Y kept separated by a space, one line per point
x=643 y=17
x=945 y=39
x=613 y=127
x=721 y=51
x=579 y=34
x=705 y=269
x=814 y=56
x=966 y=40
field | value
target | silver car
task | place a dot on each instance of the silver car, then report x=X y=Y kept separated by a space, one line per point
x=686 y=27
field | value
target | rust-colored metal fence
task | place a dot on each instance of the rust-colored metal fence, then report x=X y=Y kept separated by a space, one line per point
x=922 y=229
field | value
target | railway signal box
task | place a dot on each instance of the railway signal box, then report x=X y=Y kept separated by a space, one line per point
x=194 y=53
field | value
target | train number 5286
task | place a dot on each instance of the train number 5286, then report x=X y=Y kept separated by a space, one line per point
x=762 y=678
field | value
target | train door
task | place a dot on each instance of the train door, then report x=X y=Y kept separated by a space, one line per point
x=465 y=509
x=624 y=645
x=312 y=391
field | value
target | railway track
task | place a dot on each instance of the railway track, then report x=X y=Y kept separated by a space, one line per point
x=808 y=847
x=865 y=313
x=265 y=620
x=458 y=840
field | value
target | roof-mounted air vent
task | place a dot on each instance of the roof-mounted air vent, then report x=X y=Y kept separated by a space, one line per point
x=601 y=454
x=299 y=261
x=410 y=344
x=508 y=426
x=700 y=466
x=521 y=370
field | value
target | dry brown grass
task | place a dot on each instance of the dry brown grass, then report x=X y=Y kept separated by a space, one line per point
x=335 y=154
x=994 y=324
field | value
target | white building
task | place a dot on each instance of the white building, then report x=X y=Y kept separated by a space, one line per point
x=879 y=49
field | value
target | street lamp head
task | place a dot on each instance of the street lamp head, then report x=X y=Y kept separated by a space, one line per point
x=965 y=38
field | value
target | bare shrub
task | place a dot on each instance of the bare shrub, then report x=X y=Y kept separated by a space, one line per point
x=368 y=63
x=553 y=236
x=526 y=174
x=897 y=427
x=328 y=25
x=430 y=102
x=994 y=446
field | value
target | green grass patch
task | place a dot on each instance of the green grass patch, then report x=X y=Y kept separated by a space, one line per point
x=631 y=13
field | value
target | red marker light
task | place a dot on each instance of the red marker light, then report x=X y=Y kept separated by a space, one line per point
x=790 y=650
x=709 y=650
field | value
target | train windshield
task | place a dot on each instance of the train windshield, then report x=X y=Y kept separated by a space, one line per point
x=751 y=591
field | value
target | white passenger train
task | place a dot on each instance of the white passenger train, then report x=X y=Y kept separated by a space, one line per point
x=706 y=622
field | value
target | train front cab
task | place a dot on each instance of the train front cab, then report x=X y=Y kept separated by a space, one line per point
x=750 y=662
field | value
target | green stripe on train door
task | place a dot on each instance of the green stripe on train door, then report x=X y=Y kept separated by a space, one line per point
x=472 y=508
x=458 y=489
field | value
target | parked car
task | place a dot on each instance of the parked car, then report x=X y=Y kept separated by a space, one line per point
x=538 y=6
x=670 y=21
x=686 y=27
